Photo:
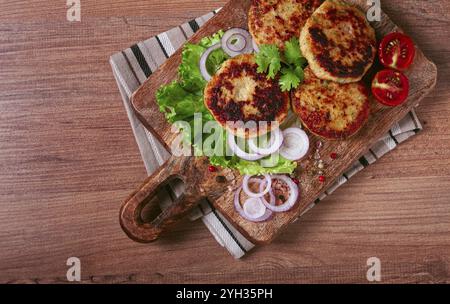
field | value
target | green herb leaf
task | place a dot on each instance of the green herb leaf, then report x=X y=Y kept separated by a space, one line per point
x=290 y=78
x=269 y=60
x=292 y=52
x=300 y=73
x=291 y=65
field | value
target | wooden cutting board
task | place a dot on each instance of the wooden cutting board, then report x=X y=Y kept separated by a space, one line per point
x=199 y=183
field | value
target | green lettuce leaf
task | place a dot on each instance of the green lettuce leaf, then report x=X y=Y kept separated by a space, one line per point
x=283 y=166
x=181 y=99
x=179 y=104
x=189 y=71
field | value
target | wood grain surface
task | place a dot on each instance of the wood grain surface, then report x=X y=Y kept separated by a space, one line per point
x=422 y=79
x=68 y=158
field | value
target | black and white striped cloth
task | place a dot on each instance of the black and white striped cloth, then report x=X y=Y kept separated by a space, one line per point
x=131 y=67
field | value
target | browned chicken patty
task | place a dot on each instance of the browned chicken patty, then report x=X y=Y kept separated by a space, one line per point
x=237 y=92
x=338 y=42
x=329 y=109
x=277 y=21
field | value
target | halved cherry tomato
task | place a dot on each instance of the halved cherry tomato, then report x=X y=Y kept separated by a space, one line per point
x=397 y=51
x=390 y=87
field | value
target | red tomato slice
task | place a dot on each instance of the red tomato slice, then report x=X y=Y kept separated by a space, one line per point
x=397 y=51
x=390 y=88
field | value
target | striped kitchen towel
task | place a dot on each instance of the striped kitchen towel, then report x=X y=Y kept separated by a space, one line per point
x=132 y=66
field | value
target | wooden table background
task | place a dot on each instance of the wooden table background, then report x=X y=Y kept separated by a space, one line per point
x=68 y=159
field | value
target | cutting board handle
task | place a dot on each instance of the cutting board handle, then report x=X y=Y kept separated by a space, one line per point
x=130 y=212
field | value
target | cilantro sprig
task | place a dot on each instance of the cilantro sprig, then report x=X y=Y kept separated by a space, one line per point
x=289 y=63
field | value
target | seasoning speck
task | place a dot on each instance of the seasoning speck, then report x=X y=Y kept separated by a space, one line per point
x=319 y=144
x=221 y=179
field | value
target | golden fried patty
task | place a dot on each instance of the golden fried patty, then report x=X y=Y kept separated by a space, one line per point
x=238 y=93
x=329 y=109
x=338 y=42
x=277 y=21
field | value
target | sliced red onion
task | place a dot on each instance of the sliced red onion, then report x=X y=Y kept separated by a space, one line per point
x=268 y=184
x=239 y=152
x=238 y=207
x=204 y=58
x=290 y=202
x=243 y=43
x=276 y=140
x=254 y=208
x=295 y=144
x=271 y=195
x=255 y=46
x=239 y=43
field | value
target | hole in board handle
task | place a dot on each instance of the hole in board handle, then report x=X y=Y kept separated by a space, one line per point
x=162 y=200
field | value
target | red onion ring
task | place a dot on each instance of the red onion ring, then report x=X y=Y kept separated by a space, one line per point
x=276 y=140
x=255 y=46
x=299 y=147
x=290 y=202
x=271 y=195
x=239 y=46
x=261 y=193
x=239 y=152
x=204 y=58
x=254 y=208
x=240 y=210
x=237 y=33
